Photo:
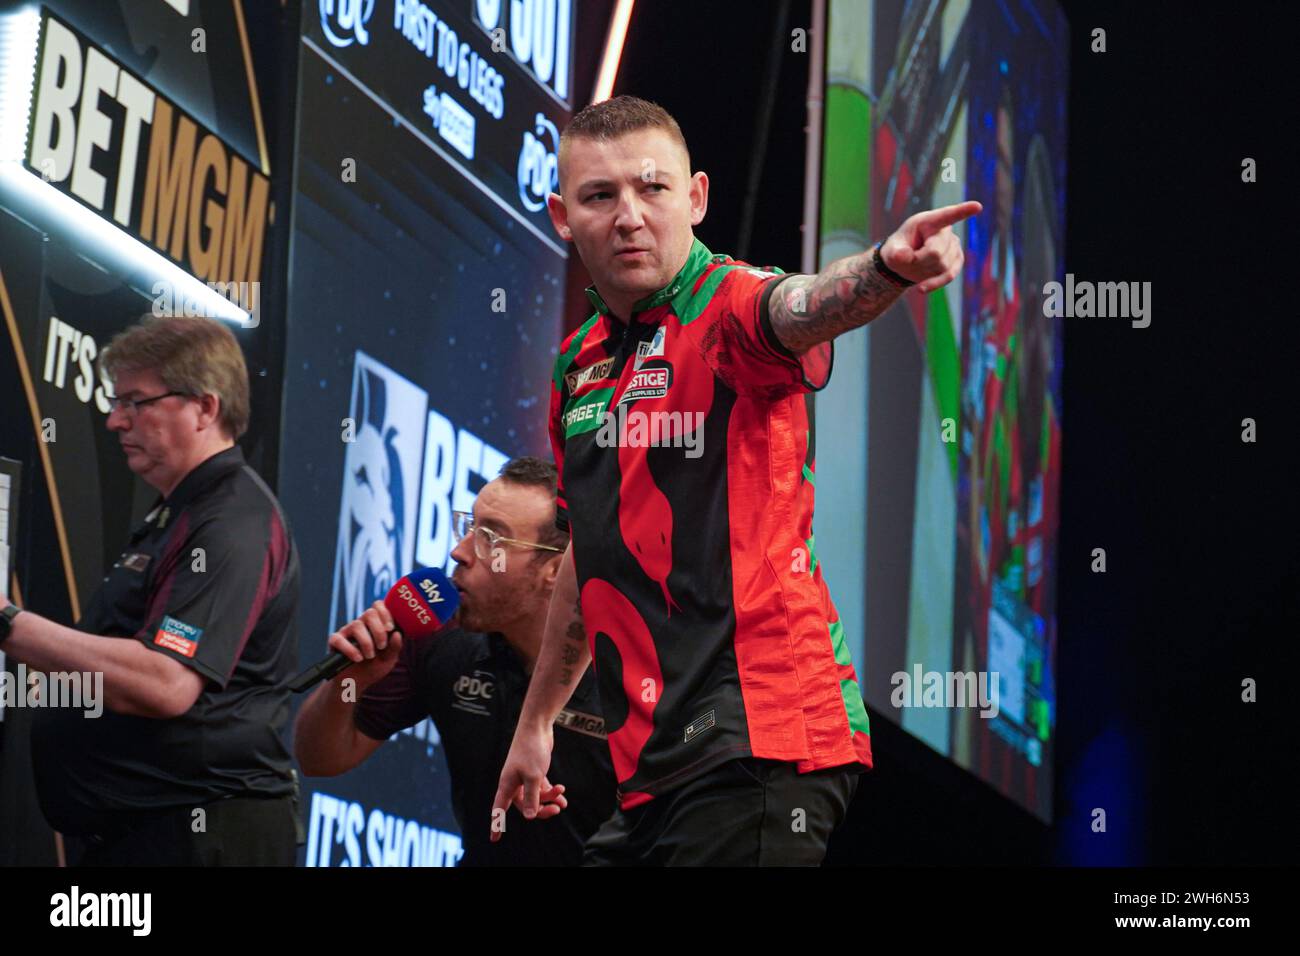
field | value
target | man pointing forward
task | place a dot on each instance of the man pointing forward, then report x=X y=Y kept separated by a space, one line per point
x=733 y=712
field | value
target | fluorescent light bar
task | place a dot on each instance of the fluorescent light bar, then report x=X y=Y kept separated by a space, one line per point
x=613 y=51
x=19 y=41
x=116 y=251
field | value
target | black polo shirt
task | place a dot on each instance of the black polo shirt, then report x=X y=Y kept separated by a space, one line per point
x=210 y=579
x=473 y=686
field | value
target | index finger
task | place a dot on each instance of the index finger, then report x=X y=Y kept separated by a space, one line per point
x=500 y=802
x=338 y=641
x=949 y=215
x=532 y=796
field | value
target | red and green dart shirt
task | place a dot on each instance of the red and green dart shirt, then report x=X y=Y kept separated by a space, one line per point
x=686 y=482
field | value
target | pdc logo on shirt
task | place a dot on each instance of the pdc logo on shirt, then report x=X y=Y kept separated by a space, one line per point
x=648 y=383
x=473 y=691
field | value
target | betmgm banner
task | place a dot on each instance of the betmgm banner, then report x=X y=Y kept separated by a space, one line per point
x=107 y=138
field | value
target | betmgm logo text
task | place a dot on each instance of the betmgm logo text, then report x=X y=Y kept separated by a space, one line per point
x=103 y=136
x=374 y=839
x=406 y=469
x=344 y=21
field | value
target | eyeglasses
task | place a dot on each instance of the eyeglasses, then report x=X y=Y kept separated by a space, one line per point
x=485 y=539
x=129 y=405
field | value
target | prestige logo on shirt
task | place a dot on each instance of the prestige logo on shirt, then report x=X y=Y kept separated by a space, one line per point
x=178 y=636
x=648 y=383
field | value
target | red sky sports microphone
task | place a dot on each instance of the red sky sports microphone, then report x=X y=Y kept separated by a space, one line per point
x=421 y=603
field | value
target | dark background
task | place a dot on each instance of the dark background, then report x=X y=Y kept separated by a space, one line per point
x=1198 y=527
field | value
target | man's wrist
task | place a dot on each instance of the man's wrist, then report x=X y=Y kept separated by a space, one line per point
x=531 y=721
x=347 y=690
x=7 y=615
x=878 y=261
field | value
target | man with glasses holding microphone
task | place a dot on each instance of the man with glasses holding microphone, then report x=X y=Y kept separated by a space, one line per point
x=472 y=679
x=186 y=764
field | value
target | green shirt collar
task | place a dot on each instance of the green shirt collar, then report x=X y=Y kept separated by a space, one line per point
x=696 y=260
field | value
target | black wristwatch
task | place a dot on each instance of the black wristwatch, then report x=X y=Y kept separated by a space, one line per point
x=878 y=261
x=7 y=620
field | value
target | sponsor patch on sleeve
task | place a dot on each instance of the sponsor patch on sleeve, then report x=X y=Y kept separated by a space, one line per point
x=576 y=720
x=178 y=636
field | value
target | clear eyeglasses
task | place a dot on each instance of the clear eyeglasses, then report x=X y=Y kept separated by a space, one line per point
x=485 y=539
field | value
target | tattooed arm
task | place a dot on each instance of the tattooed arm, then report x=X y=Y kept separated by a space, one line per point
x=561 y=662
x=564 y=655
x=810 y=309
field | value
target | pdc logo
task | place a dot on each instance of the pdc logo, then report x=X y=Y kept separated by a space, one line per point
x=338 y=18
x=539 y=164
x=473 y=691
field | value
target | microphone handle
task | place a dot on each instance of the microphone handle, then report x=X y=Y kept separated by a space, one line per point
x=318 y=672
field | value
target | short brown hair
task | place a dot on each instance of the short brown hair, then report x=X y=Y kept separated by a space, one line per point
x=610 y=119
x=537 y=473
x=195 y=356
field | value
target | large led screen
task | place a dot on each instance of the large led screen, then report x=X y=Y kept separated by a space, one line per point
x=945 y=415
